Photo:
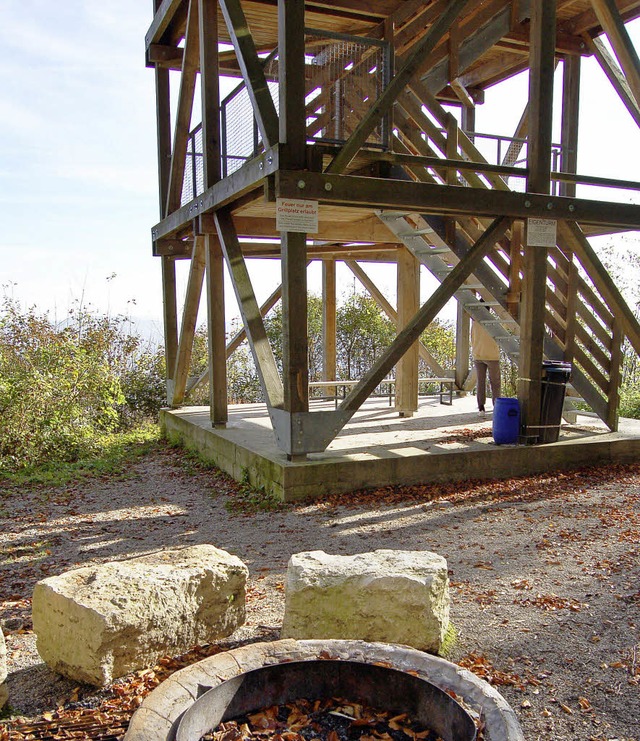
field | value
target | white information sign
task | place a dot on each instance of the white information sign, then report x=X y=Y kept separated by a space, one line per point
x=296 y=215
x=541 y=232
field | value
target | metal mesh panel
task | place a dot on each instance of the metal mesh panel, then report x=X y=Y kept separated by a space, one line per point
x=238 y=132
x=193 y=181
x=345 y=76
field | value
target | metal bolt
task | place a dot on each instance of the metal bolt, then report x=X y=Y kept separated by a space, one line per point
x=301 y=184
x=270 y=160
x=549 y=206
x=527 y=204
x=328 y=186
x=261 y=166
x=572 y=207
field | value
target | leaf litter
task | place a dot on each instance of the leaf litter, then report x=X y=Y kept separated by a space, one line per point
x=544 y=573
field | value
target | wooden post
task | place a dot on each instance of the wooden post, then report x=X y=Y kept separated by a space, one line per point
x=216 y=332
x=189 y=320
x=613 y=25
x=468 y=121
x=570 y=114
x=408 y=304
x=184 y=108
x=329 y=356
x=292 y=133
x=291 y=74
x=294 y=322
x=515 y=263
x=532 y=315
x=615 y=374
x=170 y=317
x=210 y=91
x=210 y=96
x=169 y=299
x=463 y=328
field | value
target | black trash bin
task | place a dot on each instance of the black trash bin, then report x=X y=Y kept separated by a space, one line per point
x=555 y=376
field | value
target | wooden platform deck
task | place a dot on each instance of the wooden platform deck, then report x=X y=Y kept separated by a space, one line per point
x=378 y=448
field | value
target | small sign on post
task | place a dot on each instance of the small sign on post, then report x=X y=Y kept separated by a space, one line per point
x=541 y=232
x=296 y=215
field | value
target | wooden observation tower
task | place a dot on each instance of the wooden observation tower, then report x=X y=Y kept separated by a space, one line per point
x=351 y=137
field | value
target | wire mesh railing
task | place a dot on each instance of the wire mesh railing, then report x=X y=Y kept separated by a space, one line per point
x=344 y=76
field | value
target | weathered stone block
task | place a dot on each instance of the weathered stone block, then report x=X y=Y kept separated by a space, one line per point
x=97 y=623
x=4 y=692
x=390 y=596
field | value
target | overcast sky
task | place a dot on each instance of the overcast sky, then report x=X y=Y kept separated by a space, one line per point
x=78 y=185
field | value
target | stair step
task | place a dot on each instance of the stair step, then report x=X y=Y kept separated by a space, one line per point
x=426 y=251
x=483 y=303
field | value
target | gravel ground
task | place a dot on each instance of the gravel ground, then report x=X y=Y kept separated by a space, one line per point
x=544 y=573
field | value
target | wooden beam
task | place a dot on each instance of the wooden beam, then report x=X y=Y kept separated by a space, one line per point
x=408 y=292
x=162 y=19
x=170 y=320
x=165 y=56
x=256 y=334
x=351 y=190
x=395 y=87
x=252 y=70
x=163 y=127
x=362 y=230
x=588 y=22
x=476 y=43
x=425 y=315
x=169 y=297
x=184 y=110
x=533 y=308
x=392 y=314
x=240 y=336
x=609 y=17
x=294 y=322
x=329 y=316
x=209 y=91
x=247 y=178
x=216 y=326
x=570 y=121
x=189 y=321
x=292 y=83
x=615 y=76
x=463 y=327
x=615 y=376
x=575 y=239
x=542 y=68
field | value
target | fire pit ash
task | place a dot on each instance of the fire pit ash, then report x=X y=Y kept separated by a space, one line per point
x=396 y=680
x=380 y=687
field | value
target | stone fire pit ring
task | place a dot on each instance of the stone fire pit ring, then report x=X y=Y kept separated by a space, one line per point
x=158 y=717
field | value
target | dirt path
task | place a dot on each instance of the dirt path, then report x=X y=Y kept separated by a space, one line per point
x=544 y=572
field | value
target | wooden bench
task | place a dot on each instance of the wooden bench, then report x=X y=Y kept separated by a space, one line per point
x=445 y=392
x=337 y=385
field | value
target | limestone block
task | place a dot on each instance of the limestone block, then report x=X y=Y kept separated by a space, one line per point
x=4 y=693
x=390 y=596
x=97 y=623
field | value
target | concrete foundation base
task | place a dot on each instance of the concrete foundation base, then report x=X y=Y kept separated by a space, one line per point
x=379 y=448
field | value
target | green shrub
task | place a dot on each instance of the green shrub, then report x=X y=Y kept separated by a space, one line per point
x=64 y=386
